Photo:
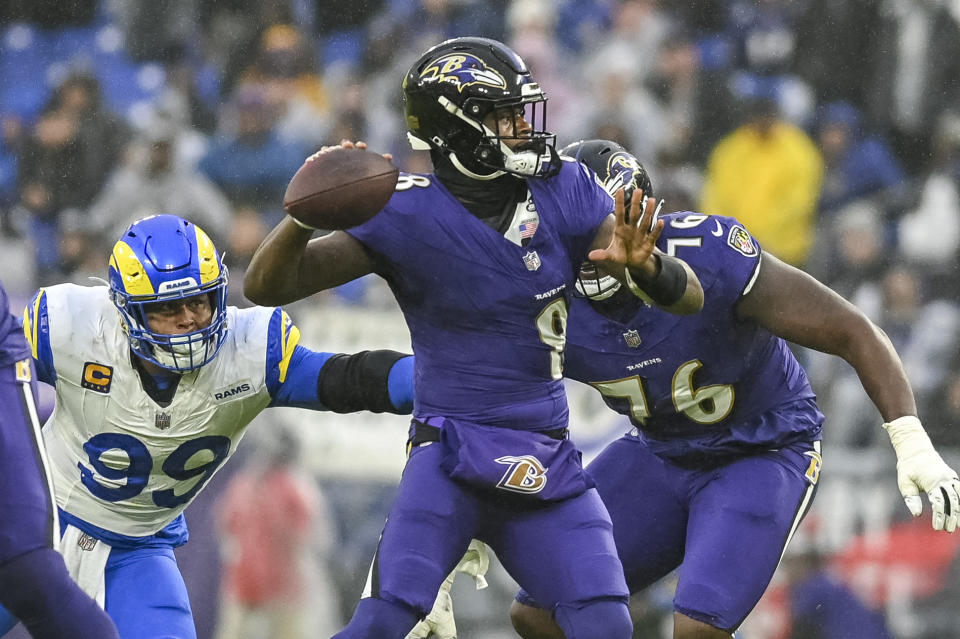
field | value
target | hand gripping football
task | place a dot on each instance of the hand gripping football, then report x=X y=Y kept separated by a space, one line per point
x=340 y=188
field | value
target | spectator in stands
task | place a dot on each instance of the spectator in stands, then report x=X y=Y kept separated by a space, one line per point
x=50 y=180
x=150 y=182
x=637 y=31
x=858 y=164
x=266 y=548
x=531 y=25
x=285 y=69
x=248 y=159
x=925 y=330
x=248 y=227
x=8 y=172
x=832 y=37
x=823 y=607
x=192 y=91
x=101 y=134
x=349 y=111
x=618 y=101
x=767 y=173
x=851 y=257
x=764 y=39
x=929 y=234
x=698 y=106
x=914 y=75
x=944 y=412
x=856 y=238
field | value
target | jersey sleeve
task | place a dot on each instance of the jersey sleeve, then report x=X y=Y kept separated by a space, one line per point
x=719 y=249
x=36 y=328
x=377 y=381
x=292 y=370
x=587 y=203
x=582 y=206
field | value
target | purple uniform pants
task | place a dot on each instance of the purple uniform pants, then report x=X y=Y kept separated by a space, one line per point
x=563 y=551
x=28 y=520
x=725 y=528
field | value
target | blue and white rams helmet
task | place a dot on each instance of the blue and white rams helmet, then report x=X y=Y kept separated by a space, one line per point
x=617 y=169
x=162 y=258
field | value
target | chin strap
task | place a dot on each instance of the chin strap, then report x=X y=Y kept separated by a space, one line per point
x=455 y=161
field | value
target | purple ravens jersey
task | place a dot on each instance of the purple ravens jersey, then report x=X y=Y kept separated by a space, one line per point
x=13 y=344
x=487 y=311
x=703 y=384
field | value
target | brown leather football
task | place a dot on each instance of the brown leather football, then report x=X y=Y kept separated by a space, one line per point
x=340 y=188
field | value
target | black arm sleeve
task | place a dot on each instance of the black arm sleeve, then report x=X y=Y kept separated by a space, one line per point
x=350 y=383
x=669 y=284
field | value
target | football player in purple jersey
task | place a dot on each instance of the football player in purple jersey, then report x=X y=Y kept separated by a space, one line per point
x=482 y=256
x=34 y=582
x=724 y=456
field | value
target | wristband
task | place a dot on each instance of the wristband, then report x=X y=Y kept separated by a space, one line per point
x=636 y=290
x=907 y=435
x=665 y=288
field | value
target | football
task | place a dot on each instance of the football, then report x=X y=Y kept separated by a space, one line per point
x=340 y=188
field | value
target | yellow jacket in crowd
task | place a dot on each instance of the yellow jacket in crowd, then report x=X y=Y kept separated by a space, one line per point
x=769 y=180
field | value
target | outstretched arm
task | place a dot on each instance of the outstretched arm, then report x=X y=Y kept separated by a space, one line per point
x=379 y=381
x=625 y=247
x=289 y=266
x=793 y=305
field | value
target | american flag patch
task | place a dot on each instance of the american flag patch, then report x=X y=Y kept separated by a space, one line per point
x=528 y=228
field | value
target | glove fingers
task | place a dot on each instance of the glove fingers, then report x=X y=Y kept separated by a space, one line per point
x=952 y=504
x=938 y=502
x=914 y=504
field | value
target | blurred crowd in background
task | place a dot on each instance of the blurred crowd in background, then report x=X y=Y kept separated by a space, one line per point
x=830 y=128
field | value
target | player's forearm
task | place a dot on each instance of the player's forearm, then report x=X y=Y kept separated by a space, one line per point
x=880 y=370
x=691 y=301
x=273 y=278
x=672 y=285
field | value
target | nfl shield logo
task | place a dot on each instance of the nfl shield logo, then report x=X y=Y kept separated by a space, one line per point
x=532 y=260
x=632 y=338
x=162 y=421
x=86 y=542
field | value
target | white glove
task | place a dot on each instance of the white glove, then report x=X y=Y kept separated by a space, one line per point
x=920 y=467
x=440 y=622
x=475 y=563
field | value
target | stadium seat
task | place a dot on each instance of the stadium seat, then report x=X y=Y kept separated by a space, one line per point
x=343 y=47
x=25 y=56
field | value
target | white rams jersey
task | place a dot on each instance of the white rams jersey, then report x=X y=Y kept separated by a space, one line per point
x=121 y=461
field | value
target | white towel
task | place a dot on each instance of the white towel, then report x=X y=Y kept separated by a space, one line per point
x=86 y=559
